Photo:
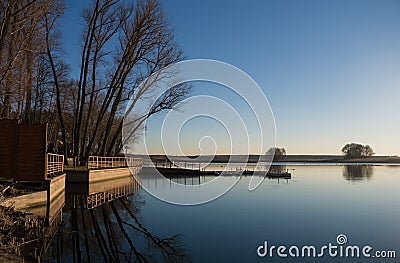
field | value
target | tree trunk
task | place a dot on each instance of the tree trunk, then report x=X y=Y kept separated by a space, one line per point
x=58 y=99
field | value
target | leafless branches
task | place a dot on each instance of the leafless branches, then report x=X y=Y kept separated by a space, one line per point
x=144 y=44
x=123 y=43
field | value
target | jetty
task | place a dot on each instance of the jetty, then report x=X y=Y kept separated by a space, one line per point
x=171 y=169
x=42 y=180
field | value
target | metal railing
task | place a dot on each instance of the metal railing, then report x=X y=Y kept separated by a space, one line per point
x=55 y=164
x=169 y=164
x=135 y=164
x=100 y=162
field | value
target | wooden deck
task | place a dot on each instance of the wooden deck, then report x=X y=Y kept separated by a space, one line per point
x=179 y=172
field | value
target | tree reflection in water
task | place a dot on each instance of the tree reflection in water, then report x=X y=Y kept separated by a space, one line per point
x=111 y=232
x=357 y=173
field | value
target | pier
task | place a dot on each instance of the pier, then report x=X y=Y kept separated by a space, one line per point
x=186 y=168
x=99 y=168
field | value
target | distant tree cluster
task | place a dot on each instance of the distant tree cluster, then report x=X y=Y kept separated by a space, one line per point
x=278 y=153
x=357 y=150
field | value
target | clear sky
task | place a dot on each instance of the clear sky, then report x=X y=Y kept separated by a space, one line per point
x=330 y=69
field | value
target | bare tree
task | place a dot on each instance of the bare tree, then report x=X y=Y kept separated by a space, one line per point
x=19 y=47
x=144 y=44
x=122 y=44
x=58 y=67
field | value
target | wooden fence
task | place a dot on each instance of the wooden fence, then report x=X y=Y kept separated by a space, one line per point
x=55 y=164
x=23 y=151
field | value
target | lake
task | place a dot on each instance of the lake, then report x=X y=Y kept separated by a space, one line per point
x=314 y=207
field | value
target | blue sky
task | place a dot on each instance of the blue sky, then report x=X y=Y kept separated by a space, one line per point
x=330 y=69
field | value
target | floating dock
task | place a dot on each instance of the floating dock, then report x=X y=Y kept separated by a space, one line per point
x=179 y=172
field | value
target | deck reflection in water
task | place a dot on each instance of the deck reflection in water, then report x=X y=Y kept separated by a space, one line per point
x=102 y=224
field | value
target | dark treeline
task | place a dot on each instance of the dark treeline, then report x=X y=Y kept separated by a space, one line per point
x=221 y=158
x=122 y=43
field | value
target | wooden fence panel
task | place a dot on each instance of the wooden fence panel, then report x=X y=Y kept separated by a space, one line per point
x=8 y=148
x=32 y=143
x=23 y=151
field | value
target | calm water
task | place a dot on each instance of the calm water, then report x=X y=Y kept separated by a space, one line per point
x=312 y=208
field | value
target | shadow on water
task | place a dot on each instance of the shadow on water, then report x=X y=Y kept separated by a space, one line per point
x=358 y=173
x=104 y=226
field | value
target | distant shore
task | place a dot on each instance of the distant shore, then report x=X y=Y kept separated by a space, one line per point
x=313 y=159
x=288 y=159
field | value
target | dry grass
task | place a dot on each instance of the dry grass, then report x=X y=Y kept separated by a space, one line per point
x=20 y=233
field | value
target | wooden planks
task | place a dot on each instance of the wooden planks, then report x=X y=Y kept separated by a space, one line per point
x=23 y=151
x=8 y=149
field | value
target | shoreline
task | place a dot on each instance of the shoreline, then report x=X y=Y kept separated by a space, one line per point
x=327 y=159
